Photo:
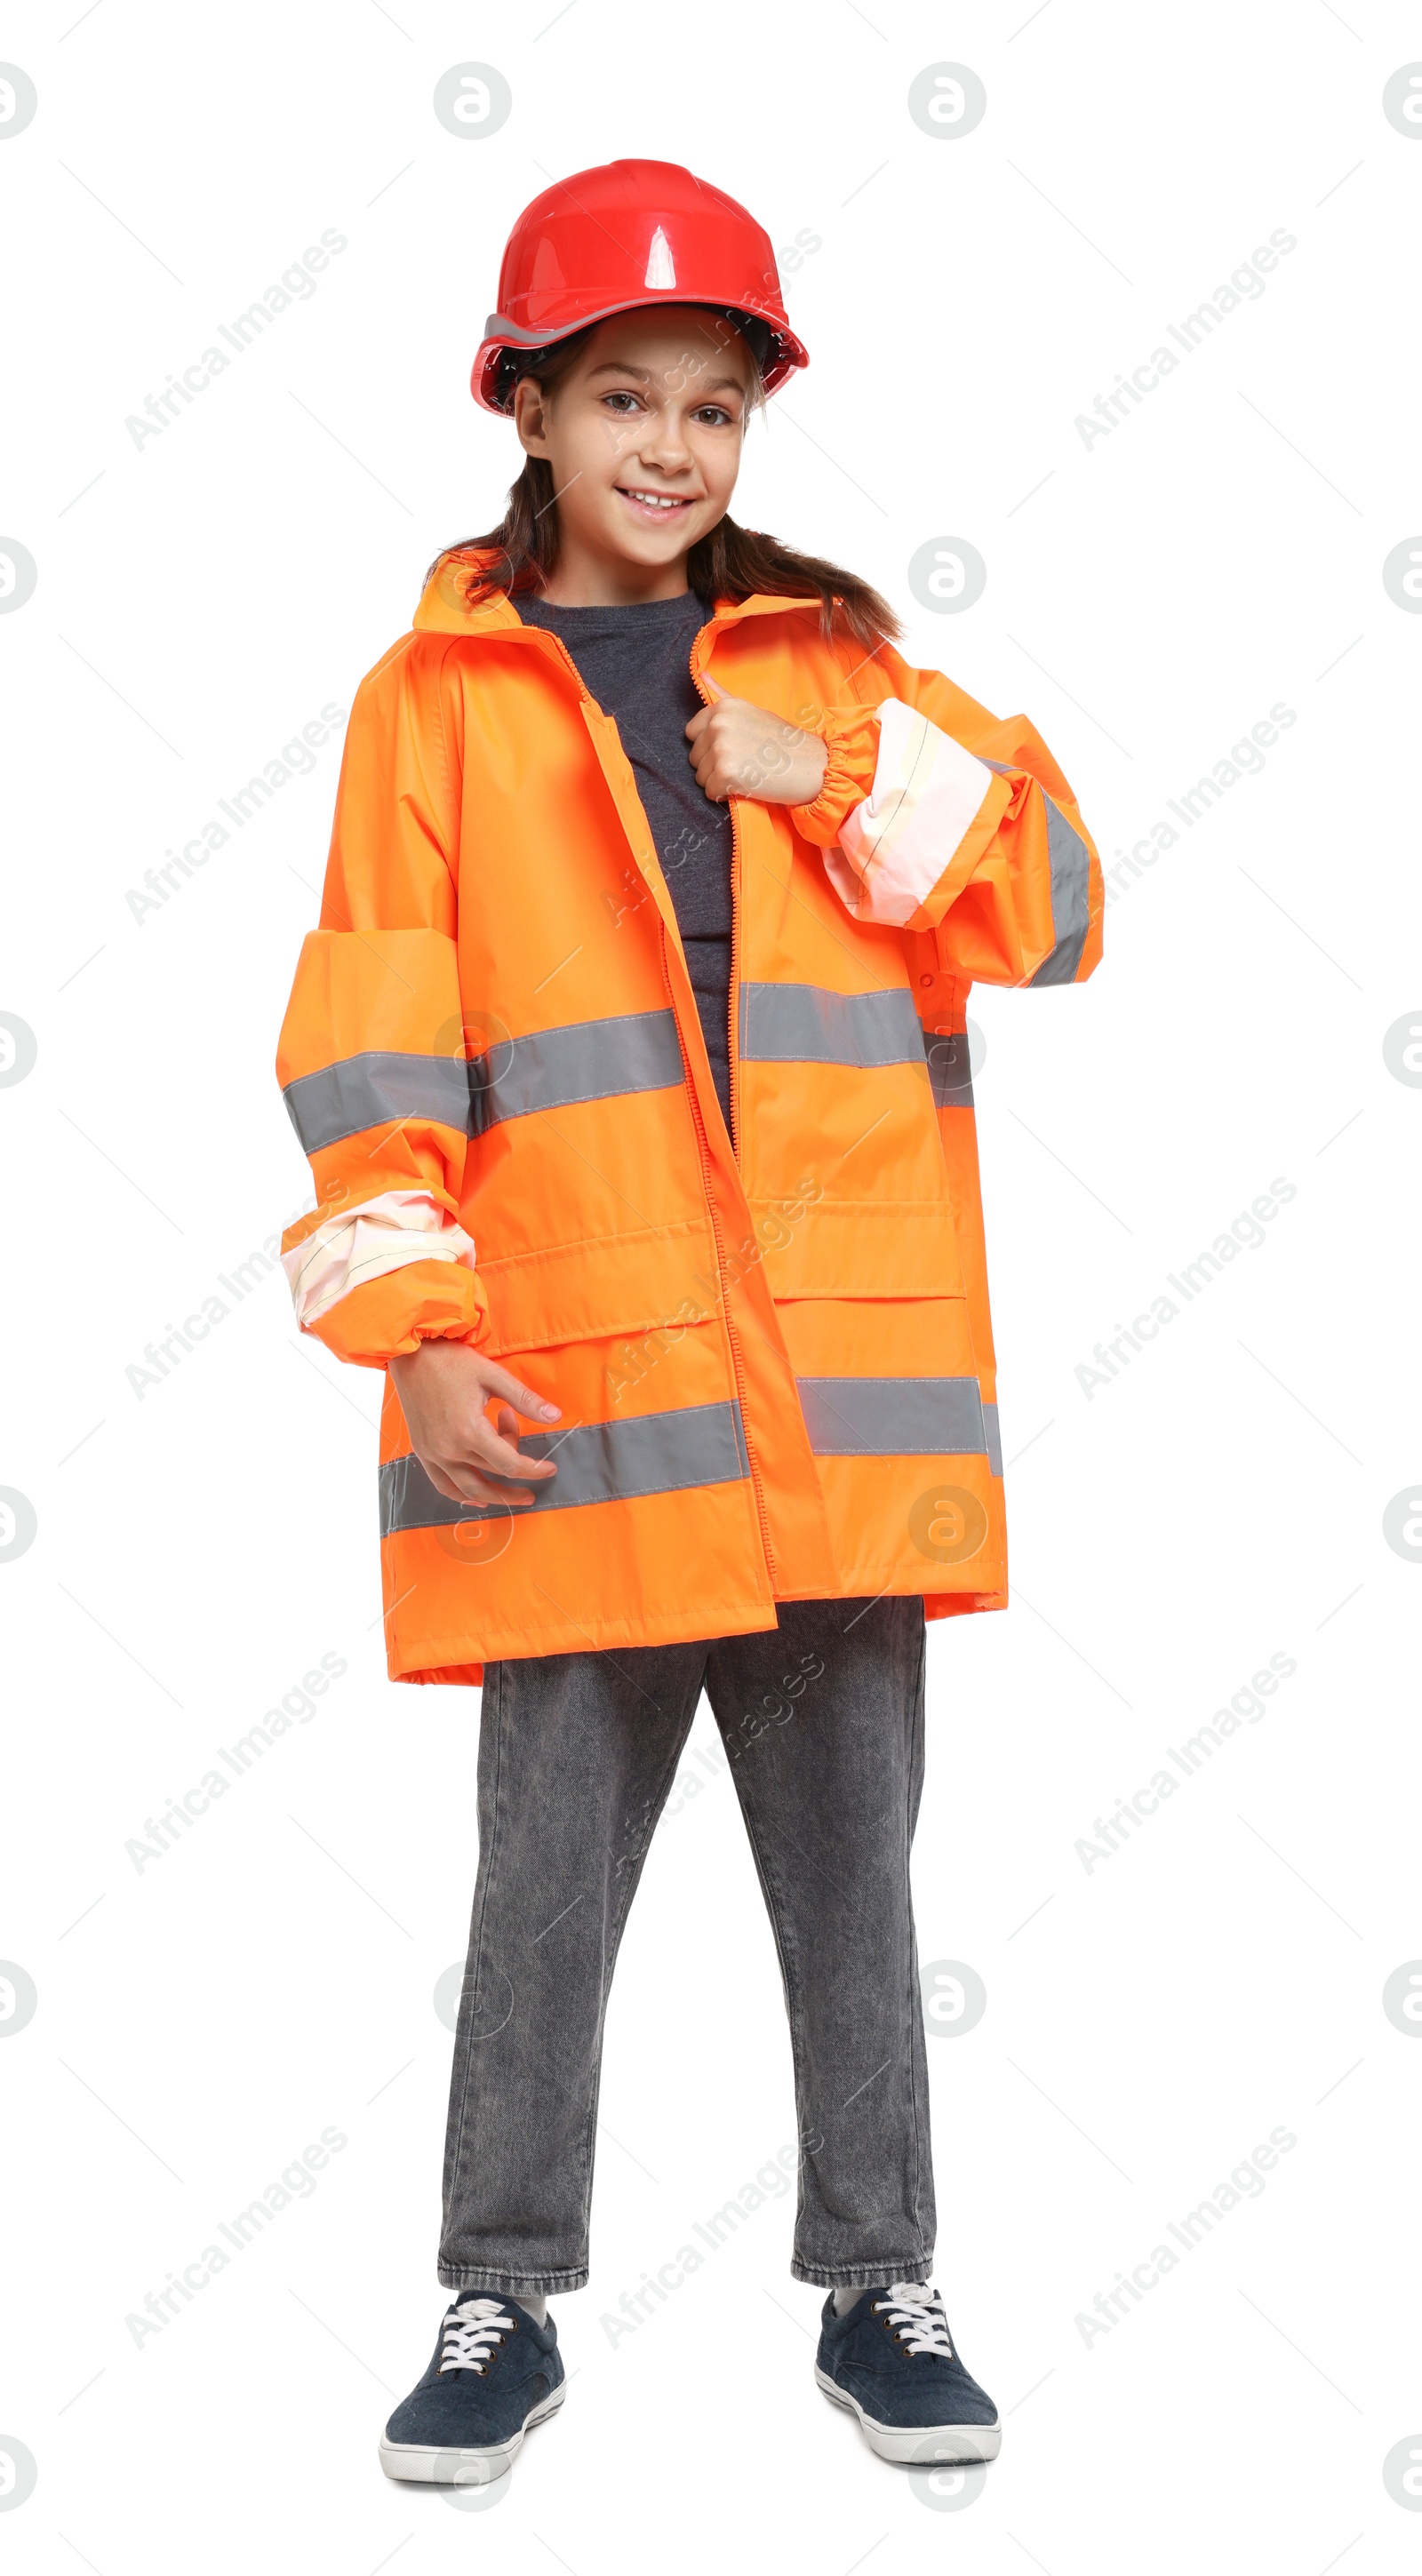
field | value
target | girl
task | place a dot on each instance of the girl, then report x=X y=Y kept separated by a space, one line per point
x=630 y=1057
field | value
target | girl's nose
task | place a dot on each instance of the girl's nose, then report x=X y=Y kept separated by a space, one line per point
x=664 y=443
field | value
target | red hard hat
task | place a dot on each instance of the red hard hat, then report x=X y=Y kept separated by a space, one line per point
x=626 y=234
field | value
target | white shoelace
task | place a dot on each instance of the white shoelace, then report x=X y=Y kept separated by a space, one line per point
x=916 y=2314
x=471 y=2331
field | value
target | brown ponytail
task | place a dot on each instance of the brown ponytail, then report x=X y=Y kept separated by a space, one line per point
x=730 y=562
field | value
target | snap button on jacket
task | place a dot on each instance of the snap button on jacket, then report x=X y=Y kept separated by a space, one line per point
x=773 y=1350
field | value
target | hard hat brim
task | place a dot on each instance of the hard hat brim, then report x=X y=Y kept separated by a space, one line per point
x=502 y=337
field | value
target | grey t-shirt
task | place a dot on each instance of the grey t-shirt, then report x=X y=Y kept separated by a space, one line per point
x=637 y=663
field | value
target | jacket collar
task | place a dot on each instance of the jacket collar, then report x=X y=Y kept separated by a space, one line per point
x=445 y=610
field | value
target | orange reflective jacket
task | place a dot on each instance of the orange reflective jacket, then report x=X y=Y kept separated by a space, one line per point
x=772 y=1349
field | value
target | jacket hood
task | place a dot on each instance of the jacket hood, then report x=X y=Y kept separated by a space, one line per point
x=446 y=609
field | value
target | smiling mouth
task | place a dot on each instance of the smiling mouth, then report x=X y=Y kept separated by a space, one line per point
x=660 y=505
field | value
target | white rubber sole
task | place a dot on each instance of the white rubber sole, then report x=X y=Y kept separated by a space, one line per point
x=916 y=2445
x=432 y=2464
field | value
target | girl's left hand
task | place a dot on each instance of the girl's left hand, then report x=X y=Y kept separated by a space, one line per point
x=741 y=750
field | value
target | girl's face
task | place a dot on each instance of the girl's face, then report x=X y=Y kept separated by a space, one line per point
x=643 y=436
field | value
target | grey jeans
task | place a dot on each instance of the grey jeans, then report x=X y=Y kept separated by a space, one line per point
x=821 y=1719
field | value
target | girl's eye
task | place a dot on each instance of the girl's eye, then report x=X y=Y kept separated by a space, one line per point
x=621 y=401
x=715 y=416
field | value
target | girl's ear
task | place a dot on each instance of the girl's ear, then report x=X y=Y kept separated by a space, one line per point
x=530 y=418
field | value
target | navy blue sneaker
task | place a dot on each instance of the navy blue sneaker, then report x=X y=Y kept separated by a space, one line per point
x=494 y=2373
x=890 y=2360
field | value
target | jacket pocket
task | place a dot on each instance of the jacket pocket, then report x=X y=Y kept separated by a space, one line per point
x=581 y=1292
x=858 y=1248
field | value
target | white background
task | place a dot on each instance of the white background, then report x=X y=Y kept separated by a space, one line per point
x=1149 y=598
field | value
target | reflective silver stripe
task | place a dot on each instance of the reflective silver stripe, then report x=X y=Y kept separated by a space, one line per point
x=949 y=1069
x=1070 y=863
x=597 y=1462
x=367 y=1090
x=549 y=1069
x=591 y=1060
x=894 y=1417
x=1071 y=880
x=994 y=1438
x=809 y=1024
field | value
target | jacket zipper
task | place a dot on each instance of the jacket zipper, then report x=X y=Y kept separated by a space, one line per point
x=732 y=998
x=732 y=1336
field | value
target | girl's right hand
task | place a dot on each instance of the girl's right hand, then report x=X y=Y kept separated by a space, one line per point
x=443 y=1388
